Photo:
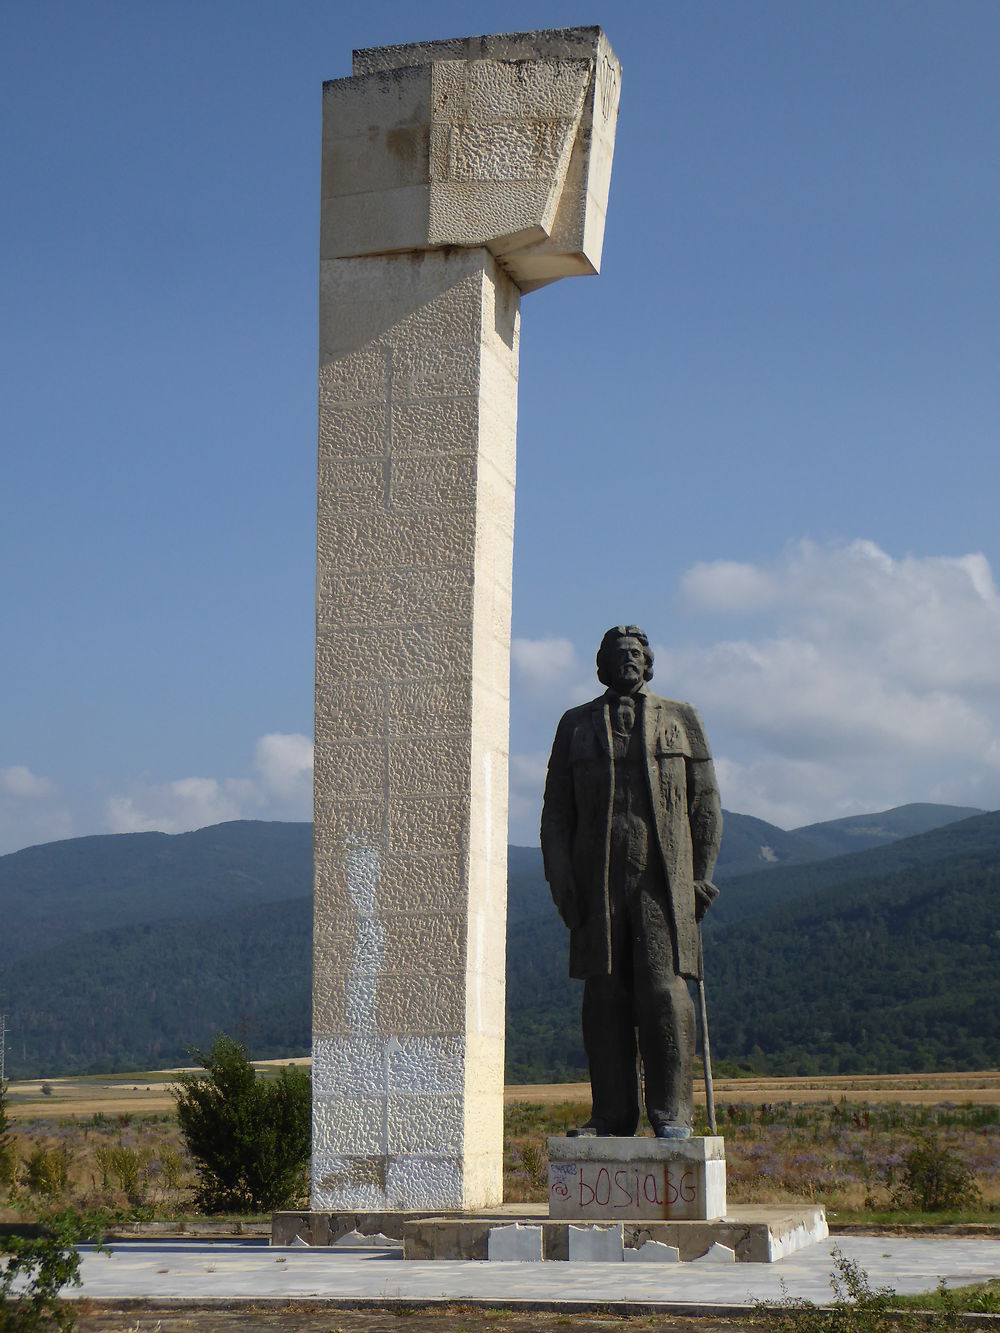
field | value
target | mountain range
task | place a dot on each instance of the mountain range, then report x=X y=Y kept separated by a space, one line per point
x=123 y=951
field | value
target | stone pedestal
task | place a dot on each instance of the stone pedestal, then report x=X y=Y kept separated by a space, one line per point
x=456 y=176
x=637 y=1179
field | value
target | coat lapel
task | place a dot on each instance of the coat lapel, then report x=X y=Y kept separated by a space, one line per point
x=650 y=724
x=600 y=716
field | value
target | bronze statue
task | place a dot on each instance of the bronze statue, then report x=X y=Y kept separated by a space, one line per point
x=631 y=825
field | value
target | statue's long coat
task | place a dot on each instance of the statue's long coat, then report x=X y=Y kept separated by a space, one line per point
x=576 y=822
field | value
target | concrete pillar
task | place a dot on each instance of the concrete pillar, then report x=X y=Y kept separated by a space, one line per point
x=456 y=175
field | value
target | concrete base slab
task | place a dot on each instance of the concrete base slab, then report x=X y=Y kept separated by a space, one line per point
x=181 y=1273
x=322 y=1228
x=754 y=1235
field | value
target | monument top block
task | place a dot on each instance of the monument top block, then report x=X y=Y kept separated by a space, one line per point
x=503 y=142
x=546 y=44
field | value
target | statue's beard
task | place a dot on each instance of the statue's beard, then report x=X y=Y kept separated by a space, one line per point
x=627 y=682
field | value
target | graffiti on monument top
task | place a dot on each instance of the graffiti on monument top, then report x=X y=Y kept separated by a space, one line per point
x=607 y=86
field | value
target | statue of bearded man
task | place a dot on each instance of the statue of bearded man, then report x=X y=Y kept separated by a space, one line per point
x=631 y=826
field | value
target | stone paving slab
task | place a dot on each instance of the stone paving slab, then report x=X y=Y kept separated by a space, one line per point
x=185 y=1271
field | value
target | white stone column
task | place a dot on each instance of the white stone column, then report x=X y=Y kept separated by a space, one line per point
x=456 y=175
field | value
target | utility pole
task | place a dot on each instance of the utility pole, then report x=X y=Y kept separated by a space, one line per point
x=3 y=1047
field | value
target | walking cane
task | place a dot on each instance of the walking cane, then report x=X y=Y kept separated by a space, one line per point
x=706 y=1053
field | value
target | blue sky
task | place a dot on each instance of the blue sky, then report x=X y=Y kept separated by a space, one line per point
x=767 y=432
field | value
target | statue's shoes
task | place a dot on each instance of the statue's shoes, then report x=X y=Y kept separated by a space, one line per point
x=593 y=1129
x=673 y=1131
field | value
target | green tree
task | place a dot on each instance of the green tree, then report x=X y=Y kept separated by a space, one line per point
x=8 y=1153
x=935 y=1178
x=34 y=1270
x=247 y=1136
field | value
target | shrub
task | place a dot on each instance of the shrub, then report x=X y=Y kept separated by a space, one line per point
x=248 y=1137
x=533 y=1161
x=48 y=1170
x=128 y=1164
x=35 y=1270
x=857 y=1306
x=934 y=1179
x=171 y=1166
x=8 y=1149
x=104 y=1157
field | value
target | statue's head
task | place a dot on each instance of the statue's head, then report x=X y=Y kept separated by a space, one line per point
x=624 y=659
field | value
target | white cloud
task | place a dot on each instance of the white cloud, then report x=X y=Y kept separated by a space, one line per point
x=19 y=782
x=866 y=681
x=726 y=585
x=24 y=825
x=790 y=792
x=524 y=801
x=173 y=807
x=30 y=810
x=281 y=788
x=547 y=677
x=542 y=665
x=832 y=680
x=284 y=765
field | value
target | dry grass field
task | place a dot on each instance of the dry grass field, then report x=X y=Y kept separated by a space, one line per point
x=114 y=1143
x=912 y=1089
x=149 y=1093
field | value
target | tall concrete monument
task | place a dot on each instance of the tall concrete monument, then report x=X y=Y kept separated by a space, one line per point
x=456 y=175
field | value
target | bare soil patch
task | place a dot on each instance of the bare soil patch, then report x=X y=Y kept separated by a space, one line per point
x=317 y=1317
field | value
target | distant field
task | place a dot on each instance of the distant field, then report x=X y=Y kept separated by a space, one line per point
x=149 y=1093
x=913 y=1089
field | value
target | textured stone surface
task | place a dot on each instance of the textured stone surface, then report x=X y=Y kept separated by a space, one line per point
x=503 y=142
x=757 y=1235
x=611 y=1179
x=454 y=177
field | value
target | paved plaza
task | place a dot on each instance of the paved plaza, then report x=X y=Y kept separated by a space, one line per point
x=196 y=1271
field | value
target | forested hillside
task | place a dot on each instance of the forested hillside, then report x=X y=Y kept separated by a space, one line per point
x=750 y=844
x=886 y=959
x=882 y=960
x=137 y=997
x=61 y=890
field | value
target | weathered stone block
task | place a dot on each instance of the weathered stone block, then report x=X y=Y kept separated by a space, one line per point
x=514 y=1243
x=618 y=1178
x=653 y=1252
x=596 y=1244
